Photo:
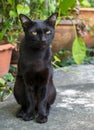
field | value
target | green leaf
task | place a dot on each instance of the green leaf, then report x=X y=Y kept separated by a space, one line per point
x=10 y=1
x=2 y=82
x=78 y=50
x=85 y=3
x=52 y=7
x=23 y=9
x=2 y=33
x=9 y=77
x=40 y=1
x=80 y=1
x=66 y=4
x=12 y=13
x=56 y=58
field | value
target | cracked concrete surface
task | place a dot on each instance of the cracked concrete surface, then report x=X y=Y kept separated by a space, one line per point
x=72 y=110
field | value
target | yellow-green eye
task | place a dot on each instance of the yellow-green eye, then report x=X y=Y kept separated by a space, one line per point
x=48 y=32
x=34 y=33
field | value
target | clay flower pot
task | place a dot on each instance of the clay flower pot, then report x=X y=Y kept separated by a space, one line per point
x=5 y=57
x=87 y=14
x=64 y=36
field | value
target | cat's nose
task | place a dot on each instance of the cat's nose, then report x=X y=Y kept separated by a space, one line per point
x=43 y=39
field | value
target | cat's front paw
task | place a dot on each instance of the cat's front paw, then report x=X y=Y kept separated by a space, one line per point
x=41 y=119
x=28 y=117
x=20 y=113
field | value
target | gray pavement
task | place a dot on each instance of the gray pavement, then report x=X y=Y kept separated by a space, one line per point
x=73 y=108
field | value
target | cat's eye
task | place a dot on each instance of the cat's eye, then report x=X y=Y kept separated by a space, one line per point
x=48 y=32
x=34 y=33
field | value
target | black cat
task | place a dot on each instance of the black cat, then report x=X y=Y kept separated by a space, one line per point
x=34 y=89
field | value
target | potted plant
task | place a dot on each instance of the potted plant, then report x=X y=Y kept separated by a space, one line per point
x=9 y=31
x=69 y=30
x=5 y=58
x=87 y=14
x=6 y=39
x=6 y=47
x=44 y=9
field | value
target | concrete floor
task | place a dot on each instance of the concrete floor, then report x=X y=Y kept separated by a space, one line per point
x=73 y=109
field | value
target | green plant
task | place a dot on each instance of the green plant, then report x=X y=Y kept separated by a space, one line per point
x=91 y=2
x=68 y=60
x=5 y=89
x=89 y=59
x=87 y=3
x=78 y=50
x=9 y=12
x=66 y=8
x=64 y=5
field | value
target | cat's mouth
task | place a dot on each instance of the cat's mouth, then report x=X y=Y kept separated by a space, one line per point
x=43 y=46
x=39 y=46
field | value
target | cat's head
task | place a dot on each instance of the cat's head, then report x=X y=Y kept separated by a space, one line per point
x=38 y=33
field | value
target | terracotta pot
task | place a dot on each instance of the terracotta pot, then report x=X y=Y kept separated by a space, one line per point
x=5 y=57
x=87 y=14
x=64 y=36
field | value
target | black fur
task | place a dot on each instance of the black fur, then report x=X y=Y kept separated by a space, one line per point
x=34 y=89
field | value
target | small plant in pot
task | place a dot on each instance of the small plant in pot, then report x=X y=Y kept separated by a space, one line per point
x=6 y=48
x=68 y=17
x=9 y=31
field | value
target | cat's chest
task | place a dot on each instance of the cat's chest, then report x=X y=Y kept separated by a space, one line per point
x=35 y=63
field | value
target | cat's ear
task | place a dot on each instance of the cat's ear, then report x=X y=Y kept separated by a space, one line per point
x=26 y=22
x=52 y=19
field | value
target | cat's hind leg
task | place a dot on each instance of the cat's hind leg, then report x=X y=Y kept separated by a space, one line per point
x=51 y=95
x=19 y=93
x=51 y=92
